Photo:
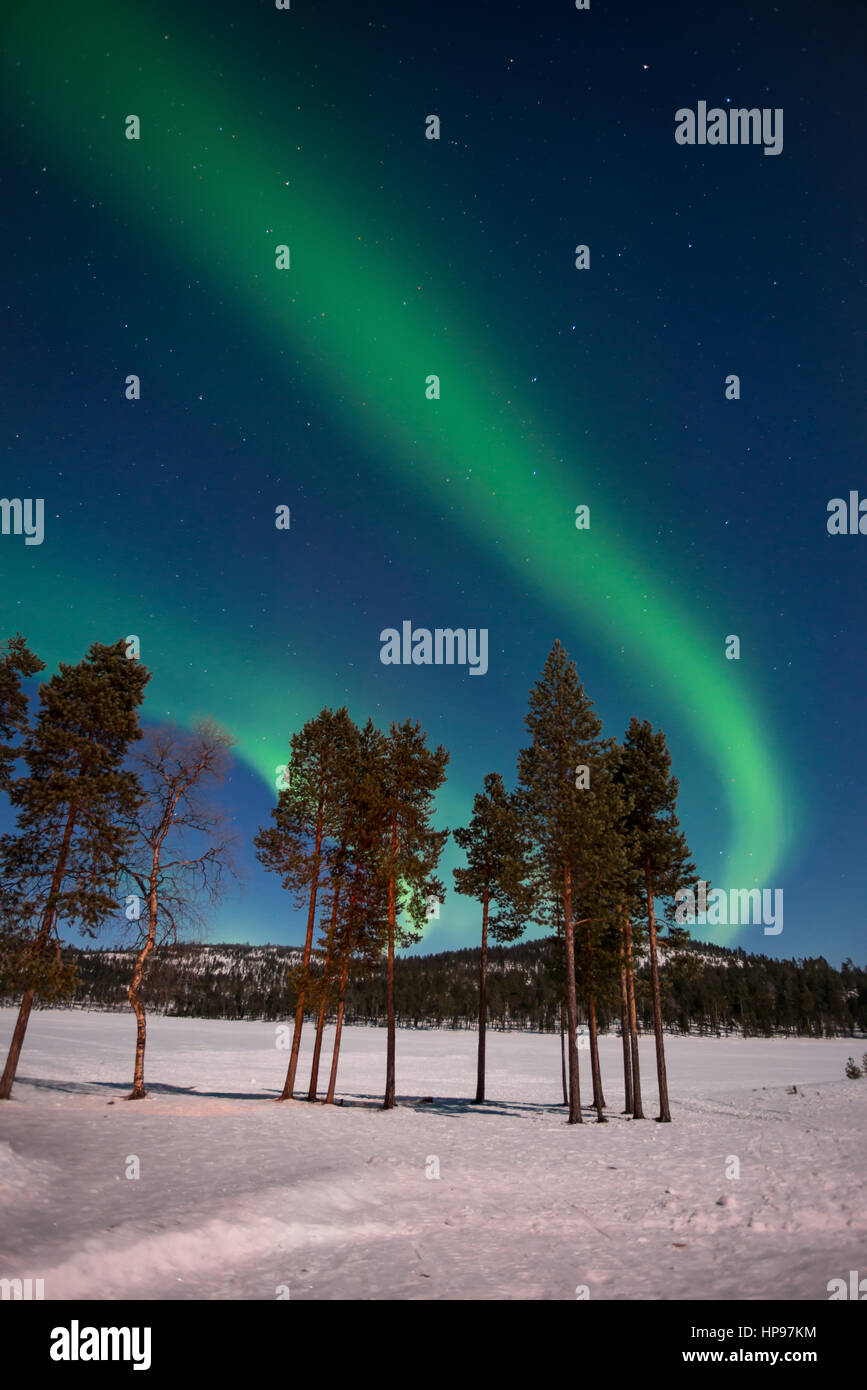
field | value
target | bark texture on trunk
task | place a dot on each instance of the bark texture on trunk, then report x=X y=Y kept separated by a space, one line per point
x=388 y=1099
x=138 y=1091
x=289 y=1083
x=571 y=1001
x=637 y=1110
x=338 y=1033
x=323 y=1003
x=344 y=976
x=317 y=1048
x=595 y=1070
x=483 y=1007
x=45 y=926
x=625 y=1034
x=16 y=1044
x=598 y=1097
x=664 y=1115
x=563 y=1053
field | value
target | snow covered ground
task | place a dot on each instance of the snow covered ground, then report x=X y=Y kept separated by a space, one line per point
x=238 y=1197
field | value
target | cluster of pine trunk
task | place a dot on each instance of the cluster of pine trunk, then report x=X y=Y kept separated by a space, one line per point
x=588 y=842
x=352 y=834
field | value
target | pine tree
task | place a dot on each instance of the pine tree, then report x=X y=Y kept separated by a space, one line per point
x=346 y=786
x=173 y=766
x=306 y=814
x=561 y=812
x=360 y=937
x=411 y=851
x=550 y=911
x=16 y=661
x=629 y=902
x=361 y=929
x=563 y=1073
x=498 y=872
x=598 y=883
x=73 y=809
x=632 y=1019
x=660 y=850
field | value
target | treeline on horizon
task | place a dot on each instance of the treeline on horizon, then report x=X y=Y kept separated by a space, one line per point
x=707 y=989
x=585 y=848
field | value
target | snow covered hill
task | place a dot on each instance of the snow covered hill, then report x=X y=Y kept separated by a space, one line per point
x=706 y=988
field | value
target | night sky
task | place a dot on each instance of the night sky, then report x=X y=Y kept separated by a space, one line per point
x=604 y=387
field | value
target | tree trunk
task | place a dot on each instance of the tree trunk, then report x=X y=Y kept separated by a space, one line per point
x=571 y=1001
x=332 y=1079
x=595 y=1072
x=664 y=1116
x=16 y=1044
x=138 y=1087
x=317 y=1046
x=388 y=1099
x=625 y=1034
x=483 y=1006
x=338 y=1032
x=637 y=1111
x=289 y=1083
x=323 y=1003
x=563 y=1053
x=598 y=1097
x=43 y=934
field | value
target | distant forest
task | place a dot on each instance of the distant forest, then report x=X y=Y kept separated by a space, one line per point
x=705 y=989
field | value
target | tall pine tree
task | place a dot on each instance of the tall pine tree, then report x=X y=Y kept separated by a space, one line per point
x=306 y=814
x=74 y=805
x=347 y=786
x=597 y=882
x=628 y=909
x=562 y=817
x=361 y=929
x=411 y=850
x=498 y=873
x=662 y=856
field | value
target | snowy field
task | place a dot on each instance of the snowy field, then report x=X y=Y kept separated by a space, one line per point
x=238 y=1196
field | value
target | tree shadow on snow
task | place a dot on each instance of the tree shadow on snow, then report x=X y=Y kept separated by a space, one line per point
x=438 y=1106
x=447 y=1106
x=154 y=1088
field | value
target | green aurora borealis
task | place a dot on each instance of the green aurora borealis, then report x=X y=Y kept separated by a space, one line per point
x=215 y=185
